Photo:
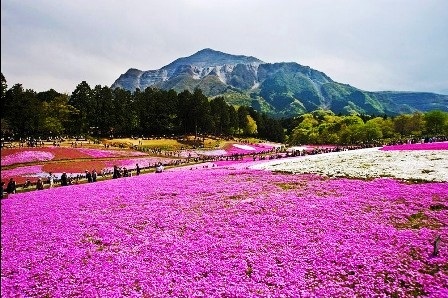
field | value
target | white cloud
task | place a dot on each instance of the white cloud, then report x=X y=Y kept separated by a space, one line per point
x=372 y=44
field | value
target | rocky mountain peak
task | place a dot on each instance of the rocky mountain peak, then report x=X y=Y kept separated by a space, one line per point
x=279 y=89
x=210 y=58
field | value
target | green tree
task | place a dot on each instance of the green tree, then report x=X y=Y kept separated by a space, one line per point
x=57 y=114
x=436 y=123
x=3 y=96
x=81 y=100
x=385 y=124
x=101 y=110
x=220 y=116
x=23 y=111
x=233 y=120
x=372 y=132
x=126 y=109
x=243 y=121
x=270 y=129
x=403 y=125
x=416 y=124
x=251 y=127
x=299 y=136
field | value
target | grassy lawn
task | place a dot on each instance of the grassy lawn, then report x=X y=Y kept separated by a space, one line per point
x=170 y=144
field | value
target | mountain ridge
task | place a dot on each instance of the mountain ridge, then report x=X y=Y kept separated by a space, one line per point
x=281 y=89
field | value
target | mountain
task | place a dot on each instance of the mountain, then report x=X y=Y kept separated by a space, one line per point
x=278 y=89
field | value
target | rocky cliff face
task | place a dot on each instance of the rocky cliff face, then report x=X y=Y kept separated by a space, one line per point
x=236 y=71
x=279 y=89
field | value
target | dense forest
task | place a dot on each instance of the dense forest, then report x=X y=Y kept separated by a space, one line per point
x=105 y=112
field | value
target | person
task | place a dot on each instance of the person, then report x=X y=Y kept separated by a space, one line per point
x=64 y=180
x=39 y=184
x=116 y=173
x=94 y=175
x=11 y=187
x=159 y=168
x=89 y=176
x=3 y=188
x=125 y=172
x=138 y=169
x=27 y=183
x=51 y=179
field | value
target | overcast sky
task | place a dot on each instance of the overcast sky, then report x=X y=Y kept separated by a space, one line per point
x=370 y=44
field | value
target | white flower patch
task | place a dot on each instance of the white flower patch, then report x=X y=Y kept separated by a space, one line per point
x=424 y=165
x=216 y=152
x=244 y=147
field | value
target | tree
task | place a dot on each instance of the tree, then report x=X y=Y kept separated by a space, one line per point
x=352 y=134
x=372 y=132
x=101 y=110
x=3 y=98
x=436 y=122
x=220 y=116
x=416 y=124
x=23 y=111
x=243 y=121
x=124 y=119
x=184 y=105
x=82 y=101
x=299 y=136
x=402 y=125
x=385 y=124
x=200 y=112
x=308 y=121
x=57 y=114
x=251 y=127
x=270 y=129
x=233 y=120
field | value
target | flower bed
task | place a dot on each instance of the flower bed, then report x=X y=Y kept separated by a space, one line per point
x=226 y=233
x=100 y=153
x=419 y=165
x=142 y=162
x=27 y=155
x=248 y=149
x=20 y=174
x=418 y=146
x=231 y=149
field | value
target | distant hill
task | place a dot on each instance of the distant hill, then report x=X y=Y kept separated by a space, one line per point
x=278 y=89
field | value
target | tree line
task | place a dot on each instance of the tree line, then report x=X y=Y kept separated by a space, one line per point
x=324 y=127
x=103 y=112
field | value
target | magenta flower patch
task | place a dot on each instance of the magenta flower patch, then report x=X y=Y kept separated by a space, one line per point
x=143 y=162
x=26 y=156
x=30 y=171
x=100 y=153
x=226 y=233
x=418 y=146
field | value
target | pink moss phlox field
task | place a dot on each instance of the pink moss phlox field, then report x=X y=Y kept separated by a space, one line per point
x=248 y=148
x=231 y=149
x=226 y=233
x=26 y=156
x=22 y=171
x=142 y=162
x=418 y=146
x=100 y=153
